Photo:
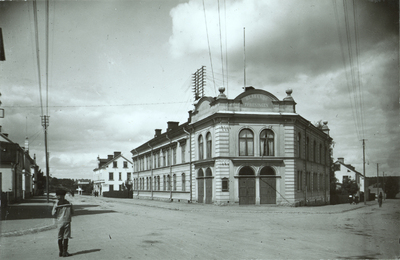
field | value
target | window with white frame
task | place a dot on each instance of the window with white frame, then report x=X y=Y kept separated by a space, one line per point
x=209 y=145
x=201 y=148
x=246 y=143
x=267 y=142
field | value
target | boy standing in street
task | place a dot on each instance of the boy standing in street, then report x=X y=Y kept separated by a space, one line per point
x=63 y=210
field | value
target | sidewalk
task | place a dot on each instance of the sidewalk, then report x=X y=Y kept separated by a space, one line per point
x=34 y=215
x=194 y=207
x=30 y=216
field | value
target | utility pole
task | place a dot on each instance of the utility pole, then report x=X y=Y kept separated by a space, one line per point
x=384 y=194
x=365 y=177
x=377 y=180
x=45 y=124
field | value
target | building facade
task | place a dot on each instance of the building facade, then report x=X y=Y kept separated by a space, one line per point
x=347 y=171
x=112 y=173
x=17 y=170
x=251 y=150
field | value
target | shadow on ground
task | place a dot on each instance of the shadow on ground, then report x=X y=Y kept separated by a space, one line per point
x=86 y=252
x=26 y=211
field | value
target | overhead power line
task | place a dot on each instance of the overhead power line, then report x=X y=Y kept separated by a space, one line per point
x=116 y=105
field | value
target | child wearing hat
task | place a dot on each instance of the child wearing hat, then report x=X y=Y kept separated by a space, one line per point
x=63 y=210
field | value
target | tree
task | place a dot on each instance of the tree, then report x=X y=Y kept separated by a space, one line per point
x=349 y=186
x=391 y=187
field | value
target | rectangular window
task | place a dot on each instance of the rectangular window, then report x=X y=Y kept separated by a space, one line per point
x=183 y=182
x=115 y=165
x=120 y=176
x=110 y=176
x=128 y=176
x=111 y=187
x=164 y=181
x=164 y=158
x=183 y=149
x=225 y=184
x=120 y=187
x=174 y=156
x=125 y=164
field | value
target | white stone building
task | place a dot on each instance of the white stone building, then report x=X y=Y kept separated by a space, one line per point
x=111 y=173
x=251 y=150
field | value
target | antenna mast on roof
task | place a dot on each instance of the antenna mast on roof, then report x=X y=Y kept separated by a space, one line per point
x=244 y=56
x=199 y=82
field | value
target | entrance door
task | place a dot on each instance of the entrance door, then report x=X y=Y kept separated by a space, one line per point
x=267 y=186
x=209 y=182
x=208 y=191
x=267 y=191
x=200 y=193
x=247 y=191
x=200 y=187
x=247 y=186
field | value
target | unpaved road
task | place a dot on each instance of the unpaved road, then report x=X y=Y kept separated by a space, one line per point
x=119 y=229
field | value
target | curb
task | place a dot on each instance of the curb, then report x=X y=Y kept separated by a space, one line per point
x=28 y=231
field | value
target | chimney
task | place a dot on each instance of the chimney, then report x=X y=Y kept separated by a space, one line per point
x=157 y=132
x=110 y=157
x=172 y=125
x=341 y=159
x=116 y=154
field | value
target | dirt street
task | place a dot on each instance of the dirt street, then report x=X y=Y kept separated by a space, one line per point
x=120 y=229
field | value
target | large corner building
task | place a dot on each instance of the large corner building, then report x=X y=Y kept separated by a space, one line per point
x=251 y=150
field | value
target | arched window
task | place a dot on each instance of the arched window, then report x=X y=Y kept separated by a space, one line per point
x=158 y=182
x=174 y=182
x=246 y=170
x=168 y=182
x=201 y=149
x=267 y=170
x=208 y=172
x=200 y=173
x=183 y=182
x=209 y=145
x=267 y=143
x=246 y=143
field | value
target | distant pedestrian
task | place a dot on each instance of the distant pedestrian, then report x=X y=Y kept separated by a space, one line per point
x=63 y=210
x=380 y=197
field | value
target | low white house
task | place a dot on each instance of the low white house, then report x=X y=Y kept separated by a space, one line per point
x=111 y=173
x=347 y=171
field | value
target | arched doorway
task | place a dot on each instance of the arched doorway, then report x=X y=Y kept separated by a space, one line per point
x=209 y=182
x=200 y=186
x=267 y=186
x=247 y=186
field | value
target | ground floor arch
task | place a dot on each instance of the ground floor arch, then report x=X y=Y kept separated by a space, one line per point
x=247 y=186
x=267 y=185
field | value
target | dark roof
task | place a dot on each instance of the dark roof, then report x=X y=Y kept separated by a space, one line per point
x=162 y=137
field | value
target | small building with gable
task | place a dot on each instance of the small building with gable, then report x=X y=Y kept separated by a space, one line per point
x=111 y=173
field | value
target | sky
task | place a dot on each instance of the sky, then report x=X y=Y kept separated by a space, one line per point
x=117 y=70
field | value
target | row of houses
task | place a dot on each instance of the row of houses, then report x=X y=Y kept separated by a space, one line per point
x=18 y=171
x=251 y=150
